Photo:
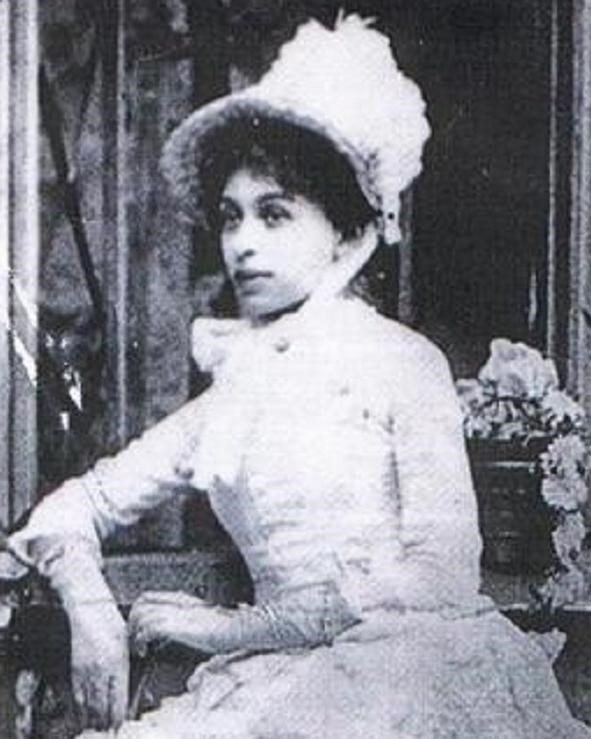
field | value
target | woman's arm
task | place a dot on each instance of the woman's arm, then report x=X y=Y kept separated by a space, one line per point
x=62 y=541
x=117 y=491
x=439 y=530
x=307 y=617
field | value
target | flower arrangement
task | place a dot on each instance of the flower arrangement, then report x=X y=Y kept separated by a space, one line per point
x=516 y=398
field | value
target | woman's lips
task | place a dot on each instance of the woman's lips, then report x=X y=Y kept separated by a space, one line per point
x=248 y=276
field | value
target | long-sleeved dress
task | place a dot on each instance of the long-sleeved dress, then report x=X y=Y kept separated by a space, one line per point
x=331 y=447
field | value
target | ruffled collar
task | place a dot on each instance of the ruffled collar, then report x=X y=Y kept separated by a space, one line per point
x=212 y=339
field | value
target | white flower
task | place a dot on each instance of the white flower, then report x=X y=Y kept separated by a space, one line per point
x=559 y=493
x=519 y=371
x=471 y=393
x=559 y=408
x=568 y=538
x=566 y=456
x=477 y=427
x=508 y=430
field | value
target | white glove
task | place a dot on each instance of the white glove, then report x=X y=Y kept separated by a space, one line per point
x=315 y=615
x=99 y=650
x=100 y=664
x=166 y=616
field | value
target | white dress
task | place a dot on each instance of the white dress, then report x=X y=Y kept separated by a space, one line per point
x=331 y=446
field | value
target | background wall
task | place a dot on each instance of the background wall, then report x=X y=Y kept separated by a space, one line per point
x=121 y=83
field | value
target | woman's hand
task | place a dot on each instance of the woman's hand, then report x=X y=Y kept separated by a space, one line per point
x=99 y=649
x=100 y=663
x=164 y=616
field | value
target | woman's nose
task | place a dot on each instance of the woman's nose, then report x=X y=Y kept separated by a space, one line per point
x=244 y=252
x=245 y=240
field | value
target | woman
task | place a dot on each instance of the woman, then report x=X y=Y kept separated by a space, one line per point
x=330 y=444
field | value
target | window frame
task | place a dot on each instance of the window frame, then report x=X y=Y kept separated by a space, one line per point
x=19 y=260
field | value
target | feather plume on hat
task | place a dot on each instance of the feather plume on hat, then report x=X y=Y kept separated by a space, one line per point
x=343 y=83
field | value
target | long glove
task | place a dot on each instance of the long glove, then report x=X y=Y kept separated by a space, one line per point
x=314 y=615
x=99 y=651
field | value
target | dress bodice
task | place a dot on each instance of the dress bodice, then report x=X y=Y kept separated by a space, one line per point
x=331 y=446
x=312 y=494
x=304 y=468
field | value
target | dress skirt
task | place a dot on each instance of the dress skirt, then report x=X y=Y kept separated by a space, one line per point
x=396 y=676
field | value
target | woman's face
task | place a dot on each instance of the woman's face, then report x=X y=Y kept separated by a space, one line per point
x=276 y=245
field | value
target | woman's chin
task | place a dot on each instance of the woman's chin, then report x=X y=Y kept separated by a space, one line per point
x=259 y=309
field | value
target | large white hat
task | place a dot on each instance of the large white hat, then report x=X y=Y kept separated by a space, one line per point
x=343 y=83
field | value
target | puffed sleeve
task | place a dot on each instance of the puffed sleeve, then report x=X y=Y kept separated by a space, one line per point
x=118 y=489
x=439 y=525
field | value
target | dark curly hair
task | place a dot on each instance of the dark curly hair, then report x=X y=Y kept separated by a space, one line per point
x=302 y=162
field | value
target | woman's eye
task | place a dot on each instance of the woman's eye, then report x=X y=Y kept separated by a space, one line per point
x=228 y=218
x=274 y=215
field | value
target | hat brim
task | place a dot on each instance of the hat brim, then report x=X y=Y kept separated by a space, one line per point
x=187 y=148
